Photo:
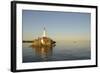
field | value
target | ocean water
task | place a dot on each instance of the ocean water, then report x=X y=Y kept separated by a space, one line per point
x=59 y=52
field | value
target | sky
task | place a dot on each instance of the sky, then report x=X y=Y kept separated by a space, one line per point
x=60 y=26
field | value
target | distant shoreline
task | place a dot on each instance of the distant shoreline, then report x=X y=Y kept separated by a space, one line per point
x=27 y=41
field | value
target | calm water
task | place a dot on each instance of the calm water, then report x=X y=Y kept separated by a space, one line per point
x=60 y=52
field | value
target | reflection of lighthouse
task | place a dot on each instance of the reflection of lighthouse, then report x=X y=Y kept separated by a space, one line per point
x=44 y=53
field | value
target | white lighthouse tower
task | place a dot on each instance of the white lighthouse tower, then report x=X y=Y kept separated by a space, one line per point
x=44 y=31
x=43 y=36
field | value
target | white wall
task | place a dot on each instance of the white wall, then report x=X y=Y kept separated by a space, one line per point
x=5 y=36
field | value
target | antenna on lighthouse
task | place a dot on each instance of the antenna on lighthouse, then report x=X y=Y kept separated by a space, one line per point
x=44 y=31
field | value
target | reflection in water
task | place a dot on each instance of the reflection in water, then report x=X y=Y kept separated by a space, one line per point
x=43 y=52
x=60 y=52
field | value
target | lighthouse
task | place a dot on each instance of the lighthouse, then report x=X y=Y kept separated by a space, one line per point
x=44 y=36
x=44 y=40
x=44 y=32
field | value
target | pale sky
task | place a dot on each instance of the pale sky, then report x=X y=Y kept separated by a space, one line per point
x=59 y=25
